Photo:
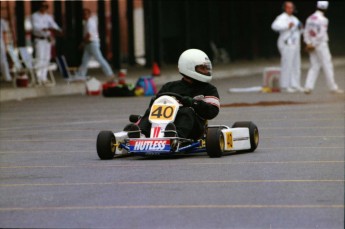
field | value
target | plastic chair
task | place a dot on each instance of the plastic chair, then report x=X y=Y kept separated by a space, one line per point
x=17 y=68
x=29 y=63
x=68 y=73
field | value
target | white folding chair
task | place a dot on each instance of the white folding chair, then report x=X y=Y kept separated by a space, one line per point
x=68 y=73
x=29 y=63
x=17 y=68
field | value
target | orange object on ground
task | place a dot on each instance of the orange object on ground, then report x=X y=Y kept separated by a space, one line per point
x=155 y=69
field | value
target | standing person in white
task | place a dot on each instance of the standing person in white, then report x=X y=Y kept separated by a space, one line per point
x=91 y=45
x=5 y=71
x=316 y=39
x=43 y=25
x=289 y=45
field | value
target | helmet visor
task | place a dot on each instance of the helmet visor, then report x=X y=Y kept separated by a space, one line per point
x=204 y=69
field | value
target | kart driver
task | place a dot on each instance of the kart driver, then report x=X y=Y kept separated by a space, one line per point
x=200 y=99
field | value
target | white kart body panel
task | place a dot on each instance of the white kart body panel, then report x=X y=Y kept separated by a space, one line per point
x=163 y=111
x=167 y=110
x=236 y=139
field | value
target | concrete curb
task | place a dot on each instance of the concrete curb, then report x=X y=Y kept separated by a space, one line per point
x=8 y=94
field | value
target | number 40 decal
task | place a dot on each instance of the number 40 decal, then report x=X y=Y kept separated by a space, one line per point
x=162 y=112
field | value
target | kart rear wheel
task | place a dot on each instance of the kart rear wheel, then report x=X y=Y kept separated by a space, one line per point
x=215 y=142
x=106 y=145
x=253 y=134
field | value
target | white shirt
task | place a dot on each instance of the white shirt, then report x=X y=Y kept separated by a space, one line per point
x=287 y=35
x=42 y=21
x=91 y=27
x=316 y=29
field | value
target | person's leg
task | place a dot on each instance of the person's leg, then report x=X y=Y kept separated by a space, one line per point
x=82 y=70
x=96 y=52
x=284 y=68
x=288 y=67
x=39 y=55
x=327 y=66
x=45 y=59
x=184 y=122
x=295 y=79
x=144 y=124
x=313 y=71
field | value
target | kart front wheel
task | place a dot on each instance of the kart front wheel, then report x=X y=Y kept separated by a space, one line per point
x=215 y=142
x=253 y=134
x=106 y=145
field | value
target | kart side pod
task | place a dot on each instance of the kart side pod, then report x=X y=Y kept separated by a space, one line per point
x=241 y=137
x=236 y=139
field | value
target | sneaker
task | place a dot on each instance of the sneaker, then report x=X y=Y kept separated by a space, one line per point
x=337 y=91
x=290 y=90
x=47 y=83
x=299 y=89
x=170 y=130
x=133 y=131
x=307 y=91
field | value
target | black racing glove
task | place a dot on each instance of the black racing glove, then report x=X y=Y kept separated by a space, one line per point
x=204 y=110
x=187 y=101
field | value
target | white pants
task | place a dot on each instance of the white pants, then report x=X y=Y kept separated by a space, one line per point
x=43 y=54
x=321 y=57
x=5 y=71
x=290 y=62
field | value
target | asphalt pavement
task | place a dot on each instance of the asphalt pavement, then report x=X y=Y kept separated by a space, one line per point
x=51 y=176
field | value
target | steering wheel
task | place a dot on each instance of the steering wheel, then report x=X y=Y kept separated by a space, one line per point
x=177 y=96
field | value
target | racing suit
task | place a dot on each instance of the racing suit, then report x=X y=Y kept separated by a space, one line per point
x=289 y=47
x=315 y=34
x=190 y=120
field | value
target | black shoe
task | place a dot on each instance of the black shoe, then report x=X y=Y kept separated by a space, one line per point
x=133 y=130
x=170 y=130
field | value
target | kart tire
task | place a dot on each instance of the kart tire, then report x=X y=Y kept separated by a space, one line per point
x=214 y=142
x=106 y=145
x=253 y=134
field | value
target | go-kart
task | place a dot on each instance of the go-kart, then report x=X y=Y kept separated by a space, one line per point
x=217 y=139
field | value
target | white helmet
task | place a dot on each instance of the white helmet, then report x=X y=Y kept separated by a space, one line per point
x=192 y=58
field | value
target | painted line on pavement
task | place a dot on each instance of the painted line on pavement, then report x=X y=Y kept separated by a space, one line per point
x=85 y=151
x=45 y=151
x=171 y=164
x=302 y=127
x=55 y=124
x=206 y=206
x=300 y=147
x=169 y=182
x=97 y=130
x=297 y=136
x=51 y=130
x=299 y=119
x=48 y=140
x=93 y=140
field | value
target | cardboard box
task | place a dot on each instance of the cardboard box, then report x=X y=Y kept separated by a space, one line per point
x=271 y=79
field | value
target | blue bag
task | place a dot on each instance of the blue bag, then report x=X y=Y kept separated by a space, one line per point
x=147 y=84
